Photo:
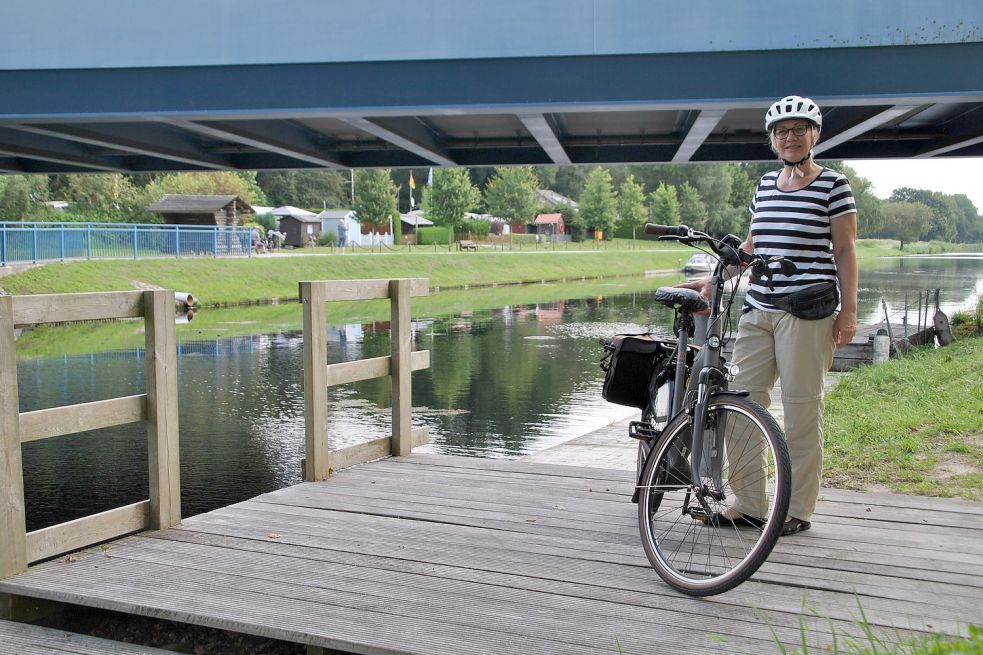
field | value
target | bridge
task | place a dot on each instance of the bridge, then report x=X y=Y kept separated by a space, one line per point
x=118 y=86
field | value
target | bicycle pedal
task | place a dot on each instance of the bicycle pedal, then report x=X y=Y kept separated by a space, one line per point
x=698 y=514
x=642 y=430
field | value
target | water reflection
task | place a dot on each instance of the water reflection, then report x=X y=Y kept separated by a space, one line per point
x=504 y=381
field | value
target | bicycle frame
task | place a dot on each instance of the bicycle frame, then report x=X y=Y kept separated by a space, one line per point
x=709 y=371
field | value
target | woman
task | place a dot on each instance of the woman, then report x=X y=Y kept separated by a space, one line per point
x=805 y=213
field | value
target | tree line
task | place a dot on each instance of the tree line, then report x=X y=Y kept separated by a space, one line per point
x=605 y=200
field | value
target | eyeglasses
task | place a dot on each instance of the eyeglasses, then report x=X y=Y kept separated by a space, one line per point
x=798 y=130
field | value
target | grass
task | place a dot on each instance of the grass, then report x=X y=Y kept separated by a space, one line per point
x=870 y=643
x=232 y=281
x=214 y=323
x=912 y=425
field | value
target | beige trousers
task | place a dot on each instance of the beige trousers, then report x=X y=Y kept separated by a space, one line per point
x=774 y=346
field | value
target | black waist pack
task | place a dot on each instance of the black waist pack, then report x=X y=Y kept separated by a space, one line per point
x=812 y=303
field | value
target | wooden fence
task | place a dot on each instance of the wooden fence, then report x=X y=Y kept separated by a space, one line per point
x=319 y=375
x=158 y=407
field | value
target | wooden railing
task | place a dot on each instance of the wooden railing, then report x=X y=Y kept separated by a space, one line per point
x=158 y=407
x=319 y=375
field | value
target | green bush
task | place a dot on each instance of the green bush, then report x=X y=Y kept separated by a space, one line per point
x=435 y=234
x=477 y=228
x=327 y=239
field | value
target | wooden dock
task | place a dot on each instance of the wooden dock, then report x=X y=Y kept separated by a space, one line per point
x=439 y=555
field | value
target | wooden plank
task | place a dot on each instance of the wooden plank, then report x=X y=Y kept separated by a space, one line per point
x=374 y=367
x=400 y=341
x=372 y=450
x=463 y=604
x=69 y=419
x=316 y=458
x=63 y=307
x=332 y=290
x=440 y=554
x=163 y=454
x=25 y=639
x=72 y=535
x=13 y=554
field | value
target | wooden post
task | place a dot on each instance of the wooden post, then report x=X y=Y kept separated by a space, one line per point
x=402 y=345
x=163 y=453
x=316 y=465
x=13 y=522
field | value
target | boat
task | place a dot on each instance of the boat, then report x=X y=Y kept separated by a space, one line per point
x=700 y=262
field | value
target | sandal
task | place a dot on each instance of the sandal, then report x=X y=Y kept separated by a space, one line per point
x=718 y=520
x=793 y=525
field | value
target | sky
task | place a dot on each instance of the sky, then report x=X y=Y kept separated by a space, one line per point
x=950 y=175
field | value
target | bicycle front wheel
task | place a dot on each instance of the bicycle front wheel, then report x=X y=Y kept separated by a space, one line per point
x=744 y=466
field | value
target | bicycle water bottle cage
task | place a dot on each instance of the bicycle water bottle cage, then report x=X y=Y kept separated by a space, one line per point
x=685 y=299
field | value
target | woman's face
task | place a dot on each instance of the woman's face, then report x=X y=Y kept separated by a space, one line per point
x=793 y=147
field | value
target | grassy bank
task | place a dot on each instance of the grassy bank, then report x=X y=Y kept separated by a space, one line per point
x=231 y=281
x=911 y=425
x=215 y=323
x=217 y=282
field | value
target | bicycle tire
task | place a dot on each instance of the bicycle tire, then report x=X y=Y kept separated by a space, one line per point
x=684 y=547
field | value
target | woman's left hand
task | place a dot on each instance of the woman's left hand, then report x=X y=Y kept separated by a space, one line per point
x=844 y=328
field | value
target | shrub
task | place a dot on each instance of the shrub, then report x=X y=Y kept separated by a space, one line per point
x=435 y=234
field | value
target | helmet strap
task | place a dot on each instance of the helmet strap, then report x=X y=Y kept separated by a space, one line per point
x=797 y=165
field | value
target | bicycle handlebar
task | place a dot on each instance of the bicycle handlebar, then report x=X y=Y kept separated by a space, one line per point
x=667 y=230
x=727 y=249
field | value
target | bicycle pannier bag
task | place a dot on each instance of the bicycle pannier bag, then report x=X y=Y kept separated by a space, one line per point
x=812 y=303
x=628 y=362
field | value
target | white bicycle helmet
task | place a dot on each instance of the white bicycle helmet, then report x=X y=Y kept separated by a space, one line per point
x=793 y=107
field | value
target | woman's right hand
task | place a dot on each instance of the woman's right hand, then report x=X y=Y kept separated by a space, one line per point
x=702 y=285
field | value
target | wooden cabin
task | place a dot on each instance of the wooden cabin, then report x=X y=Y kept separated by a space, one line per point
x=178 y=209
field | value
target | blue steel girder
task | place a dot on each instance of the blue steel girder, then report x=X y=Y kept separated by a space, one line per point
x=879 y=101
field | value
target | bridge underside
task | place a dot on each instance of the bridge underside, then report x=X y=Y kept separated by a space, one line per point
x=879 y=102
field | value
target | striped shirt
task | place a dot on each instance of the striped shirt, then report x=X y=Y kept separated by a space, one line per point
x=796 y=225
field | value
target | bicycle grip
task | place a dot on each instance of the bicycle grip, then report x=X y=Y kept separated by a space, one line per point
x=666 y=230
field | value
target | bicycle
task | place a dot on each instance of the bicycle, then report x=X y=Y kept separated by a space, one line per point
x=700 y=443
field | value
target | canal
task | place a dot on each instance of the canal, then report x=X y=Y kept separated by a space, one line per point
x=514 y=370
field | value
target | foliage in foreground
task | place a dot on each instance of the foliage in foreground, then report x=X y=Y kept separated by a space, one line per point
x=871 y=643
x=914 y=424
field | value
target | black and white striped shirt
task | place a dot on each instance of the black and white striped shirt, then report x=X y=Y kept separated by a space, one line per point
x=796 y=225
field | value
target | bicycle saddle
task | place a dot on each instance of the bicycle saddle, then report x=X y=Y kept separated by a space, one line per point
x=678 y=298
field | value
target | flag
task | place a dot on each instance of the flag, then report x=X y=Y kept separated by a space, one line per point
x=412 y=181
x=430 y=177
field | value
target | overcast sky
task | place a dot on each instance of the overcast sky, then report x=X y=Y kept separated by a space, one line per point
x=951 y=175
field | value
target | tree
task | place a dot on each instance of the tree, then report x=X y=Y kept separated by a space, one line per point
x=692 y=210
x=450 y=196
x=907 y=221
x=870 y=218
x=510 y=194
x=969 y=229
x=631 y=204
x=945 y=213
x=714 y=184
x=375 y=197
x=221 y=183
x=741 y=186
x=598 y=204
x=105 y=191
x=665 y=205
x=15 y=198
x=311 y=189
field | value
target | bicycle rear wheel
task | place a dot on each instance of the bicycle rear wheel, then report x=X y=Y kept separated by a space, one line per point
x=744 y=455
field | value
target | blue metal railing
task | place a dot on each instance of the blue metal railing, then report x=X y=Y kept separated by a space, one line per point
x=22 y=242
